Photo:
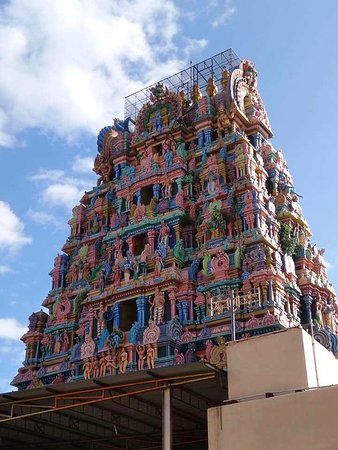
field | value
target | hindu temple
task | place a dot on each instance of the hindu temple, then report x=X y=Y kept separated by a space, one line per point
x=193 y=237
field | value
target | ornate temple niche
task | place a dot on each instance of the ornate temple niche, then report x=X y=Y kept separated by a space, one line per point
x=188 y=236
x=174 y=189
x=247 y=106
x=128 y=314
x=157 y=151
x=147 y=194
x=269 y=184
x=167 y=306
x=94 y=328
x=139 y=243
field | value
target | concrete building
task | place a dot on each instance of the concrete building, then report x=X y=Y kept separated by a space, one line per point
x=283 y=393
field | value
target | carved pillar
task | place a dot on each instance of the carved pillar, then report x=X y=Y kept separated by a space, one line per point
x=177 y=229
x=151 y=240
x=179 y=182
x=185 y=310
x=271 y=293
x=207 y=136
x=141 y=307
x=130 y=349
x=204 y=155
x=200 y=138
x=56 y=276
x=308 y=313
x=117 y=171
x=63 y=273
x=138 y=197
x=156 y=191
x=200 y=307
x=288 y=305
x=81 y=214
x=130 y=242
x=172 y=298
x=123 y=166
x=180 y=311
x=116 y=309
x=191 y=309
x=92 y=255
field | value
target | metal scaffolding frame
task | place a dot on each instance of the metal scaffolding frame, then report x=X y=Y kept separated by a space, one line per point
x=185 y=79
x=118 y=412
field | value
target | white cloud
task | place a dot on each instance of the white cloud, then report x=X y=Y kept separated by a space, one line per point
x=83 y=164
x=224 y=14
x=63 y=194
x=57 y=189
x=4 y=269
x=44 y=218
x=66 y=65
x=11 y=329
x=48 y=175
x=192 y=45
x=12 y=235
x=41 y=217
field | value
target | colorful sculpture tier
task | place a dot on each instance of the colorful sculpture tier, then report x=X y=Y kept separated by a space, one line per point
x=194 y=232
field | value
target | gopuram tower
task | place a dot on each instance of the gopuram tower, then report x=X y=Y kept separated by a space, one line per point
x=193 y=236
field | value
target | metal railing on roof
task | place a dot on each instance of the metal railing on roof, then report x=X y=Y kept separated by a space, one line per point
x=183 y=81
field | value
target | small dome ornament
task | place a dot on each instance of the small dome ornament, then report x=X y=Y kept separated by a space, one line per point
x=211 y=87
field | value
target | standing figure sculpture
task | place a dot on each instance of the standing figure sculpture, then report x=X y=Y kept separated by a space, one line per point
x=158 y=264
x=140 y=349
x=111 y=364
x=123 y=360
x=157 y=307
x=101 y=323
x=87 y=369
x=167 y=188
x=164 y=234
x=150 y=356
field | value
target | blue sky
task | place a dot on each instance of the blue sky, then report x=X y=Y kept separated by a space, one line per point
x=65 y=69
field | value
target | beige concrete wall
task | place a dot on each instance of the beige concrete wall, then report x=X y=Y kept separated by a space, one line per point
x=277 y=362
x=327 y=364
x=303 y=420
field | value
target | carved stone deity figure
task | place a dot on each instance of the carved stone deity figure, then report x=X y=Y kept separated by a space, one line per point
x=141 y=350
x=158 y=264
x=57 y=343
x=74 y=272
x=103 y=364
x=167 y=188
x=101 y=323
x=179 y=199
x=220 y=265
x=328 y=315
x=168 y=157
x=117 y=275
x=123 y=360
x=87 y=368
x=145 y=253
x=95 y=367
x=150 y=356
x=103 y=168
x=111 y=364
x=148 y=159
x=164 y=234
x=114 y=219
x=65 y=342
x=157 y=307
x=118 y=245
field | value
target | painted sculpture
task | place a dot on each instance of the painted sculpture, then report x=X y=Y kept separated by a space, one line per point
x=194 y=214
